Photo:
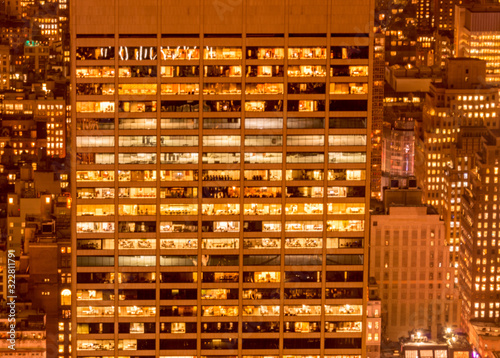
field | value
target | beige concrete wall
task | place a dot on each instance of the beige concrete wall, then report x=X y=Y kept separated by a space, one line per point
x=94 y=16
x=222 y=16
x=268 y=19
x=180 y=17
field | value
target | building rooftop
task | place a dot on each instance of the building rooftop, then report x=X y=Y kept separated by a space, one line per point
x=456 y=59
x=490 y=8
x=488 y=329
x=449 y=341
x=415 y=72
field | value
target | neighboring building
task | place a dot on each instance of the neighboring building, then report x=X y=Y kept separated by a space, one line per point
x=400 y=46
x=404 y=97
x=4 y=67
x=373 y=321
x=480 y=235
x=47 y=27
x=426 y=44
x=30 y=333
x=456 y=181
x=477 y=35
x=377 y=114
x=398 y=147
x=462 y=99
x=3 y=274
x=214 y=213
x=443 y=48
x=27 y=8
x=410 y=261
x=37 y=55
x=51 y=113
x=34 y=128
x=456 y=115
x=41 y=254
x=425 y=15
x=13 y=8
x=14 y=32
x=447 y=346
x=409 y=84
x=34 y=211
x=485 y=338
x=42 y=249
x=445 y=13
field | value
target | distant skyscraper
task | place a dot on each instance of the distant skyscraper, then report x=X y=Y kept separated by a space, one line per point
x=221 y=159
x=477 y=35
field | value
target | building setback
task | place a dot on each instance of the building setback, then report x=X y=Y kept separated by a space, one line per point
x=221 y=177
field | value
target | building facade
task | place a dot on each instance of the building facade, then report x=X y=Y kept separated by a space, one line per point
x=30 y=334
x=479 y=232
x=221 y=177
x=409 y=260
x=4 y=67
x=42 y=252
x=373 y=321
x=398 y=147
x=456 y=114
x=462 y=100
x=377 y=113
x=33 y=128
x=476 y=35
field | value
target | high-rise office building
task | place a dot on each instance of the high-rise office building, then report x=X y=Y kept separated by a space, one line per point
x=476 y=35
x=461 y=100
x=456 y=181
x=221 y=177
x=479 y=236
x=456 y=115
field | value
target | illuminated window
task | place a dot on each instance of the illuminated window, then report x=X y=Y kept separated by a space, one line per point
x=66 y=297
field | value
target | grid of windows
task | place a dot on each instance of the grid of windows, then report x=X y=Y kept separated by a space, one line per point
x=241 y=231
